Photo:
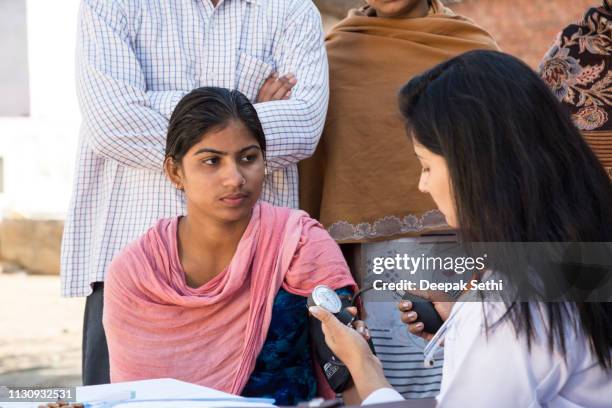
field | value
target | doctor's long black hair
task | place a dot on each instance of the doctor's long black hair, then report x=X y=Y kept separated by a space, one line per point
x=519 y=171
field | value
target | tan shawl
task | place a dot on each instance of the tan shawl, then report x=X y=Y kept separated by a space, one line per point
x=362 y=181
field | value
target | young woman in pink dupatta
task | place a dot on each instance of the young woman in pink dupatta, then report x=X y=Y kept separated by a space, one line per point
x=218 y=297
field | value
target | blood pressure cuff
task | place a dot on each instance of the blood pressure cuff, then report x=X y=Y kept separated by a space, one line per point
x=335 y=371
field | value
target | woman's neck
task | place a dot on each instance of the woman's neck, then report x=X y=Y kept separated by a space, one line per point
x=213 y=234
x=420 y=9
x=207 y=246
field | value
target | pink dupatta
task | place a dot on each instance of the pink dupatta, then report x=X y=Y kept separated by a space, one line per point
x=156 y=326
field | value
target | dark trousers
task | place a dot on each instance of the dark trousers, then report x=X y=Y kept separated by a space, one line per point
x=95 y=350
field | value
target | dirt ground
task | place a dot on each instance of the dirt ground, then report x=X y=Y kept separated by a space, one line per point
x=40 y=332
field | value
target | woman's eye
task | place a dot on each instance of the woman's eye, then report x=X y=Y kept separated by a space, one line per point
x=424 y=170
x=211 y=161
x=249 y=158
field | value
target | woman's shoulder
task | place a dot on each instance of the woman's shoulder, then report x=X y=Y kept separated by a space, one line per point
x=312 y=234
x=289 y=213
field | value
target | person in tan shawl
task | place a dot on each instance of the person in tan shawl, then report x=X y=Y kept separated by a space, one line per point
x=362 y=181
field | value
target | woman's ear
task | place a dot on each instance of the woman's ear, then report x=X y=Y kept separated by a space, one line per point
x=174 y=172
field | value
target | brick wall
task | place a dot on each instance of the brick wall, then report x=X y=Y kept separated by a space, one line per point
x=524 y=28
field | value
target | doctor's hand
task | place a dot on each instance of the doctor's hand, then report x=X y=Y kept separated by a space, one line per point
x=347 y=344
x=441 y=302
x=359 y=324
x=353 y=350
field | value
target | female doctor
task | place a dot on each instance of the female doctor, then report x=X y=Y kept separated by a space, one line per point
x=504 y=163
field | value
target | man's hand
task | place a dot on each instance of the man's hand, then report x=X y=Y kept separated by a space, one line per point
x=275 y=88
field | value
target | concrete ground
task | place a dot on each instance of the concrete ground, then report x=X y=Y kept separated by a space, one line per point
x=40 y=332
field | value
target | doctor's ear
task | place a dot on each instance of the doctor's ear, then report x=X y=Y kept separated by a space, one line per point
x=174 y=172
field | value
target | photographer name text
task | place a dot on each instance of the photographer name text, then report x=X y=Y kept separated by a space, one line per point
x=423 y=284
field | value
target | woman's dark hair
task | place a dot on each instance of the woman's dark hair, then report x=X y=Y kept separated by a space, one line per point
x=519 y=168
x=206 y=109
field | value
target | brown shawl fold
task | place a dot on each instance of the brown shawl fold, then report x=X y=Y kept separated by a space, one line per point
x=362 y=181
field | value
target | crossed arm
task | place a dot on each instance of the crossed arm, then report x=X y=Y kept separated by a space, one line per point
x=126 y=122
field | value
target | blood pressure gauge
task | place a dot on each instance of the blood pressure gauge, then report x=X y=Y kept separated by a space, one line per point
x=326 y=298
x=329 y=300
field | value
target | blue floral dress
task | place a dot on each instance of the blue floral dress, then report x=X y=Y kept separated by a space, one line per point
x=284 y=369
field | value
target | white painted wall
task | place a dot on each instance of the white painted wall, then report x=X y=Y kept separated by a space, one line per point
x=39 y=150
x=14 y=57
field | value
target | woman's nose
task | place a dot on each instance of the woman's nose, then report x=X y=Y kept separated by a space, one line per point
x=233 y=177
x=422 y=184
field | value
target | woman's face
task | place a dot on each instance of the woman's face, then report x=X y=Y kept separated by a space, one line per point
x=399 y=8
x=436 y=182
x=222 y=175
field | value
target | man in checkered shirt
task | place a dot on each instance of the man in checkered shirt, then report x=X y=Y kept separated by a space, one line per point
x=135 y=61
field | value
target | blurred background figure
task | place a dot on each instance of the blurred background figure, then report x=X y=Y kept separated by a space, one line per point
x=578 y=68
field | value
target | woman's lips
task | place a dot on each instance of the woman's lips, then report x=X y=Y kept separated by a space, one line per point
x=234 y=200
